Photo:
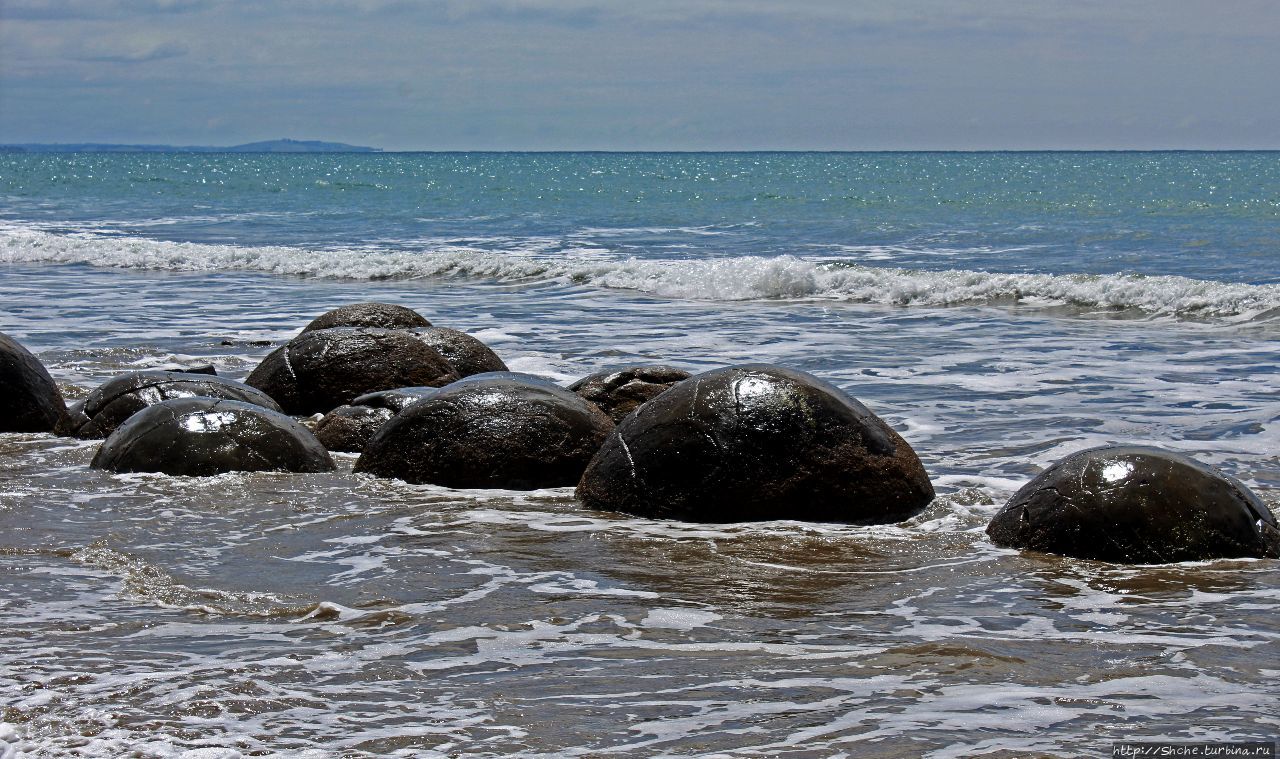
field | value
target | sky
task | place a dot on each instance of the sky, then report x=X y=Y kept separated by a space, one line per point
x=645 y=74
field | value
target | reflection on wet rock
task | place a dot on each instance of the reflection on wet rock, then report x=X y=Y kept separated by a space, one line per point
x=321 y=370
x=382 y=315
x=200 y=437
x=752 y=443
x=30 y=401
x=500 y=432
x=1138 y=505
x=110 y=404
x=618 y=392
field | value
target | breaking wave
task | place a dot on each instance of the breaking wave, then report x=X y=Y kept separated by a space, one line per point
x=723 y=279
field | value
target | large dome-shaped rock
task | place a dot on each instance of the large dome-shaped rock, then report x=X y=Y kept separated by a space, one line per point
x=756 y=442
x=381 y=315
x=349 y=428
x=122 y=396
x=1138 y=505
x=29 y=399
x=467 y=354
x=618 y=392
x=499 y=433
x=199 y=437
x=318 y=371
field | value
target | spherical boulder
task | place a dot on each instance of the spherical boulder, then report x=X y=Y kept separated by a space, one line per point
x=756 y=442
x=382 y=315
x=618 y=392
x=122 y=396
x=467 y=354
x=500 y=433
x=1137 y=505
x=395 y=399
x=348 y=428
x=29 y=399
x=318 y=371
x=200 y=437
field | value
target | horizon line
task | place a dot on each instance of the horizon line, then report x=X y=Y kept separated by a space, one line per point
x=371 y=150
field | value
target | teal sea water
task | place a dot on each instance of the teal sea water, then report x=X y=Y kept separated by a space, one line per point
x=1000 y=310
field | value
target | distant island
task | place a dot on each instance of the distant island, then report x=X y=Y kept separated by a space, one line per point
x=266 y=146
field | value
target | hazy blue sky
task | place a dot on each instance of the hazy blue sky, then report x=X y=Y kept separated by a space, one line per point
x=645 y=74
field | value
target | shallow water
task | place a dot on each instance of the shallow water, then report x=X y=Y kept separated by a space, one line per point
x=336 y=614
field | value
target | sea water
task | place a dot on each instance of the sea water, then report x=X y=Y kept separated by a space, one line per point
x=999 y=310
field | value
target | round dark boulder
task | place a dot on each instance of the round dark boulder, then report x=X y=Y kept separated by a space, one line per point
x=618 y=392
x=1136 y=505
x=318 y=371
x=756 y=442
x=29 y=399
x=467 y=354
x=348 y=428
x=382 y=315
x=500 y=433
x=122 y=396
x=394 y=400
x=199 y=437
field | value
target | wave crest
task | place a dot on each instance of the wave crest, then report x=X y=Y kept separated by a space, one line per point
x=723 y=279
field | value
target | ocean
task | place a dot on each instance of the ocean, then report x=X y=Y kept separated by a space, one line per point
x=1000 y=310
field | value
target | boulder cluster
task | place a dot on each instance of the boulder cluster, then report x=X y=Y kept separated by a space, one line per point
x=432 y=405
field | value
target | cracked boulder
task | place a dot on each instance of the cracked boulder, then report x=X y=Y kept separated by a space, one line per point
x=381 y=315
x=618 y=392
x=318 y=371
x=1136 y=505
x=122 y=396
x=756 y=442
x=496 y=432
x=29 y=399
x=201 y=437
x=467 y=354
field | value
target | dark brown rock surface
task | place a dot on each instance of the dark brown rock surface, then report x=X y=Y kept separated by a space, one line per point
x=29 y=398
x=349 y=428
x=200 y=437
x=1139 y=505
x=318 y=371
x=499 y=433
x=756 y=442
x=620 y=391
x=467 y=354
x=381 y=315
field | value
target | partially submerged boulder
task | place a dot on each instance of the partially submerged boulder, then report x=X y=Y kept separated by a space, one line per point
x=756 y=442
x=29 y=399
x=620 y=391
x=200 y=437
x=348 y=428
x=381 y=315
x=1139 y=505
x=318 y=371
x=122 y=396
x=498 y=433
x=467 y=354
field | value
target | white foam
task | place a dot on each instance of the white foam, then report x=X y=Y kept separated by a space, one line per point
x=723 y=279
